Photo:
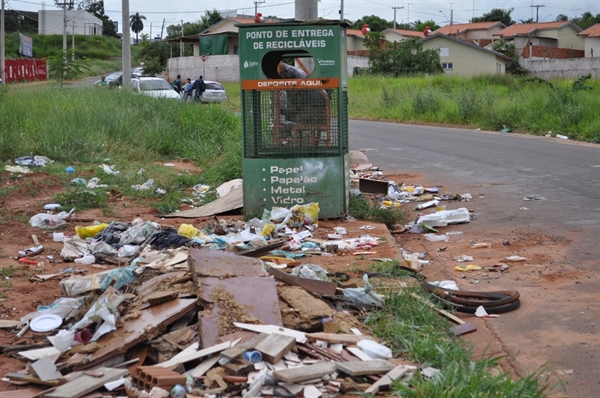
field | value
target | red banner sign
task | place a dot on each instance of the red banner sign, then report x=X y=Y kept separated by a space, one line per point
x=25 y=70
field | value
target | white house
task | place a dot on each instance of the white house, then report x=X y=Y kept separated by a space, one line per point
x=80 y=22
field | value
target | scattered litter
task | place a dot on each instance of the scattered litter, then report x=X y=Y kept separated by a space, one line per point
x=145 y=186
x=310 y=271
x=18 y=169
x=79 y=181
x=367 y=227
x=436 y=238
x=374 y=350
x=564 y=372
x=340 y=230
x=481 y=245
x=109 y=169
x=480 y=312
x=425 y=205
x=455 y=236
x=515 y=258
x=467 y=268
x=70 y=169
x=36 y=161
x=463 y=258
x=429 y=372
x=533 y=197
x=523 y=208
x=505 y=129
x=562 y=137
x=45 y=323
x=497 y=268
x=52 y=206
x=507 y=243
x=445 y=284
x=445 y=217
x=466 y=197
x=364 y=295
x=50 y=221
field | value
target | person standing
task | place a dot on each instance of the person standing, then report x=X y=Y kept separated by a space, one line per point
x=177 y=84
x=188 y=90
x=199 y=88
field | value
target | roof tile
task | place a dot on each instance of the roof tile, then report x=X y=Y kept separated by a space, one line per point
x=527 y=28
x=592 y=31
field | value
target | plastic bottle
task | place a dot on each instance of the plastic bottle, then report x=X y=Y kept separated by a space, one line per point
x=374 y=349
x=190 y=384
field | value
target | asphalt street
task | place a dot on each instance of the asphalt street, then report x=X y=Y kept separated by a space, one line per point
x=557 y=323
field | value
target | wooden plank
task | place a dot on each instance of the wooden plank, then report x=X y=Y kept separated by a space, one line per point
x=239 y=349
x=299 y=336
x=443 y=312
x=5 y=323
x=319 y=287
x=275 y=346
x=337 y=338
x=302 y=373
x=190 y=353
x=31 y=379
x=45 y=369
x=204 y=367
x=357 y=352
x=373 y=367
x=86 y=384
x=18 y=394
x=388 y=378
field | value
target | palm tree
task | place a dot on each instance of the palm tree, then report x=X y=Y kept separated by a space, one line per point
x=136 y=24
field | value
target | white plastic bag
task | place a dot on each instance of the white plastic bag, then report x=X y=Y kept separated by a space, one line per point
x=87 y=259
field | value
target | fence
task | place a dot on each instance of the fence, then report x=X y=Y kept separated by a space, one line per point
x=25 y=69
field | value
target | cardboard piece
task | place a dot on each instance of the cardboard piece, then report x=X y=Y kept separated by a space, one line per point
x=45 y=369
x=222 y=264
x=234 y=200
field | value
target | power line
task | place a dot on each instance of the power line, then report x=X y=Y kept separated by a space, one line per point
x=537 y=11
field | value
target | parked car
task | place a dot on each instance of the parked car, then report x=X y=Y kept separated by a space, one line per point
x=156 y=87
x=138 y=71
x=214 y=92
x=114 y=79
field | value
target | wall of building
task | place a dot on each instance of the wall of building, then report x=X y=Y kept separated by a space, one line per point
x=51 y=22
x=466 y=61
x=567 y=38
x=225 y=68
x=549 y=52
x=592 y=47
x=562 y=68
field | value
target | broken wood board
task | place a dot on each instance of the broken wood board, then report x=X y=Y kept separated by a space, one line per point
x=387 y=380
x=236 y=351
x=234 y=200
x=302 y=373
x=462 y=328
x=34 y=355
x=19 y=394
x=45 y=369
x=319 y=287
x=357 y=352
x=161 y=296
x=150 y=285
x=137 y=330
x=373 y=186
x=190 y=353
x=376 y=366
x=31 y=379
x=6 y=324
x=337 y=338
x=236 y=299
x=275 y=346
x=258 y=251
x=86 y=384
x=204 y=367
x=182 y=338
x=299 y=336
x=222 y=264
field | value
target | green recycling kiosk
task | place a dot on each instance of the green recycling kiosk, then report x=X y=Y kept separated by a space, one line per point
x=294 y=100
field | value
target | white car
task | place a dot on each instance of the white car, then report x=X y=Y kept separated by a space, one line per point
x=213 y=92
x=156 y=87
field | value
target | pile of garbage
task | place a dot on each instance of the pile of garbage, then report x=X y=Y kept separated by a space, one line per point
x=153 y=311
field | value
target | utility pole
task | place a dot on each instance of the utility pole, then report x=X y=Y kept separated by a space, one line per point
x=256 y=3
x=64 y=6
x=396 y=9
x=163 y=27
x=73 y=42
x=151 y=32
x=537 y=11
x=126 y=44
x=2 y=43
x=181 y=41
x=306 y=10
x=451 y=14
x=342 y=11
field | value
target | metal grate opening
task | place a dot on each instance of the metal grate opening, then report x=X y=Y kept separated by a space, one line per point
x=291 y=123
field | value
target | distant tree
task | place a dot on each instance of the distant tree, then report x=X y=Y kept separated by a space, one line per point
x=587 y=20
x=497 y=14
x=16 y=22
x=512 y=66
x=136 y=24
x=420 y=26
x=210 y=18
x=193 y=28
x=529 y=20
x=376 y=24
x=561 y=17
x=405 y=26
x=401 y=59
x=155 y=56
x=61 y=67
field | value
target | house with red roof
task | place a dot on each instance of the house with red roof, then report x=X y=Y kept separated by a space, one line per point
x=478 y=33
x=557 y=39
x=355 y=42
x=399 y=35
x=591 y=41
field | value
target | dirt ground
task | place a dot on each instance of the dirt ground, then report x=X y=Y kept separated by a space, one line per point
x=546 y=268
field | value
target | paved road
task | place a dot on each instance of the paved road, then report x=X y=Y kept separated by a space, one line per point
x=556 y=324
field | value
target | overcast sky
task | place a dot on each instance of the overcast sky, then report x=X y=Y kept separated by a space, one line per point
x=173 y=11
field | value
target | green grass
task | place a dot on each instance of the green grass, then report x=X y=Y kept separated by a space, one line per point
x=363 y=210
x=418 y=333
x=486 y=102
